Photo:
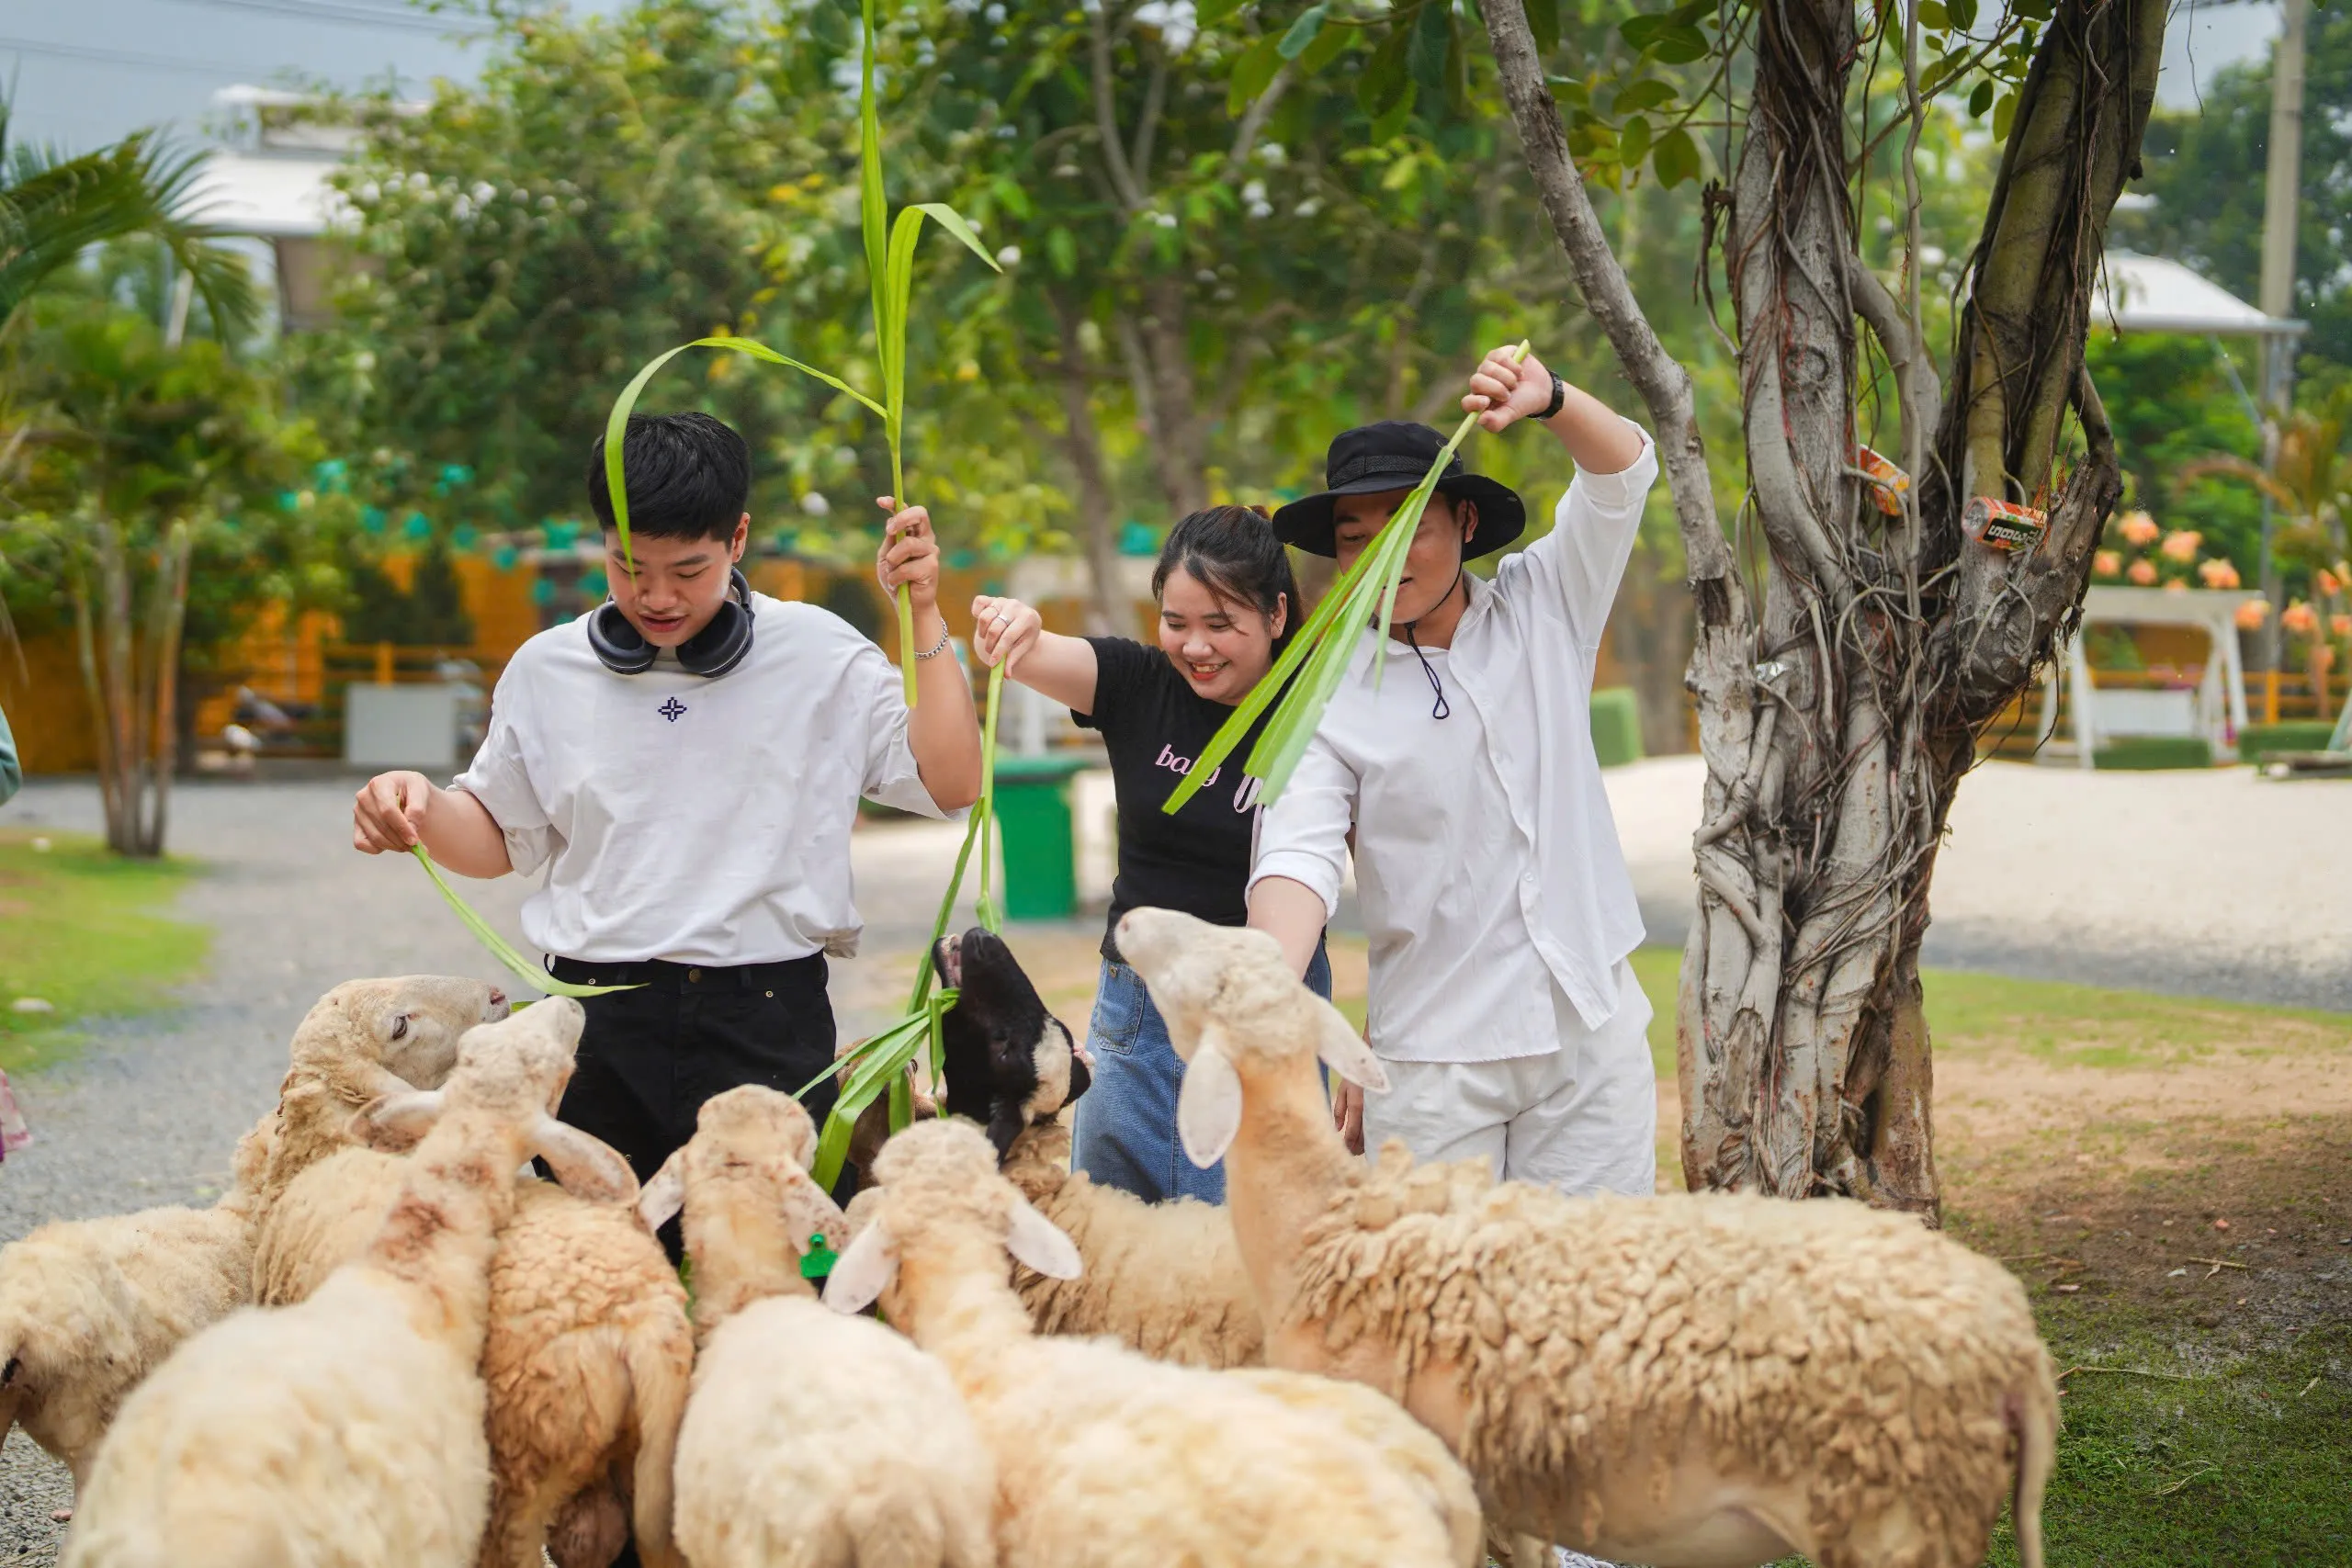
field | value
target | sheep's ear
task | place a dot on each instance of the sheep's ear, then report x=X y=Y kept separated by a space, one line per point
x=392 y=1123
x=862 y=1272
x=810 y=1213
x=1038 y=1242
x=1208 y=1108
x=583 y=1166
x=663 y=1197
x=1343 y=1049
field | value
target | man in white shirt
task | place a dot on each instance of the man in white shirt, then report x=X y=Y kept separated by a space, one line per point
x=1494 y=894
x=686 y=764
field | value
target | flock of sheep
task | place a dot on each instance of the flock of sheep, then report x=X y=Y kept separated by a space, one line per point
x=383 y=1346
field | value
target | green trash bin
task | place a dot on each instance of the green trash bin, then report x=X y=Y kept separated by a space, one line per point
x=1616 y=727
x=1039 y=831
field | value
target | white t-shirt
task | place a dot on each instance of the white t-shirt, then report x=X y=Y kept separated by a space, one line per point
x=703 y=821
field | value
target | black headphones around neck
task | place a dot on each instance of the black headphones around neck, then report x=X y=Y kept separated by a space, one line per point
x=710 y=652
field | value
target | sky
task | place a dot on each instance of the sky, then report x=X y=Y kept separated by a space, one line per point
x=85 y=71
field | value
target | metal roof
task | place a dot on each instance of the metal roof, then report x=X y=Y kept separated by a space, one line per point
x=2148 y=294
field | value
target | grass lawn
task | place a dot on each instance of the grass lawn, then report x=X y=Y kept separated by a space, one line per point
x=79 y=929
x=2112 y=1147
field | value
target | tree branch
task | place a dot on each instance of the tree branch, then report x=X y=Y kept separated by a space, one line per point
x=1664 y=384
x=1155 y=97
x=1254 y=118
x=1106 y=114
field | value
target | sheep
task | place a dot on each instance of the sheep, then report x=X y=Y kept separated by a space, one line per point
x=1006 y=1060
x=89 y=1307
x=363 y=1040
x=1164 y=1278
x=587 y=1359
x=1690 y=1380
x=348 y=1431
x=810 y=1437
x=1105 y=1457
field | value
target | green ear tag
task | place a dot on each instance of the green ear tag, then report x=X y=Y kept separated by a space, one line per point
x=818 y=1261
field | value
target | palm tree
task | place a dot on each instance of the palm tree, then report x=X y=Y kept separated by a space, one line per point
x=53 y=206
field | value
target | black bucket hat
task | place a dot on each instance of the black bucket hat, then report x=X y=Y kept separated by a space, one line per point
x=1394 y=455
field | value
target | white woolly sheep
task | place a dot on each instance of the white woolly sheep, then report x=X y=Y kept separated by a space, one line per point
x=587 y=1360
x=90 y=1307
x=347 y=1431
x=364 y=1040
x=811 y=1437
x=1164 y=1278
x=1105 y=1457
x=1677 y=1381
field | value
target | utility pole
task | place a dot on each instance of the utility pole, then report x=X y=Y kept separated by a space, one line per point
x=2282 y=199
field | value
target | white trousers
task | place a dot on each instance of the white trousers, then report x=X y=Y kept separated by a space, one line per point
x=1581 y=1119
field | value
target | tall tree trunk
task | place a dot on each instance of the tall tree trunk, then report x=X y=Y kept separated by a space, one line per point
x=1108 y=613
x=1159 y=375
x=1837 y=725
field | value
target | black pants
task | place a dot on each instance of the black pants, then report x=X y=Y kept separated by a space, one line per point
x=649 y=1057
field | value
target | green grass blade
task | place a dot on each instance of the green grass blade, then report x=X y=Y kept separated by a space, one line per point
x=617 y=421
x=616 y=428
x=1230 y=734
x=871 y=212
x=893 y=1049
x=1364 y=595
x=530 y=973
x=990 y=916
x=953 y=221
x=899 y=287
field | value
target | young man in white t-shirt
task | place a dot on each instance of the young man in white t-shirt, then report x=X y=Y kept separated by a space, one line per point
x=1495 y=897
x=686 y=762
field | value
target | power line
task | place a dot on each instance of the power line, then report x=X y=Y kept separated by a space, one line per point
x=347 y=11
x=125 y=57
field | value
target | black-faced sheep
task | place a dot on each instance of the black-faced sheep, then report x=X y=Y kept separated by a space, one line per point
x=1695 y=1381
x=1006 y=1061
x=347 y=1432
x=811 y=1437
x=1105 y=1457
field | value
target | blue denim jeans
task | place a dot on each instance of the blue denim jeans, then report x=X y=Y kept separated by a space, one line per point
x=1125 y=1132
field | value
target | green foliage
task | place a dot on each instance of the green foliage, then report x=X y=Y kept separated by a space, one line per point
x=80 y=929
x=2207 y=169
x=612 y=185
x=121 y=429
x=2171 y=402
x=430 y=610
x=53 y=207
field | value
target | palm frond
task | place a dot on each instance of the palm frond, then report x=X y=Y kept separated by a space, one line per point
x=53 y=206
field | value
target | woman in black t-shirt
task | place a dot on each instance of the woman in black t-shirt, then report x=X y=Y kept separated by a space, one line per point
x=1226 y=599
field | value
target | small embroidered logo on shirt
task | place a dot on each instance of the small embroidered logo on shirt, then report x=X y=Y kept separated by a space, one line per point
x=672 y=710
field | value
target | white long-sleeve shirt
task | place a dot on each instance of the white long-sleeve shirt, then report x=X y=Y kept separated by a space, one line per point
x=1488 y=866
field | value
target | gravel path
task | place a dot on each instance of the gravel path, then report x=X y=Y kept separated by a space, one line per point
x=2211 y=884
x=149 y=1111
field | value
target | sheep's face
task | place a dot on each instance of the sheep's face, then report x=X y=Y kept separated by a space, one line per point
x=1008 y=1061
x=757 y=1145
x=939 y=1182
x=1234 y=1007
x=508 y=1073
x=410 y=1026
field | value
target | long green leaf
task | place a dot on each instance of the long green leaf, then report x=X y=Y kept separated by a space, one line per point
x=530 y=973
x=953 y=221
x=1365 y=596
x=617 y=421
x=990 y=917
